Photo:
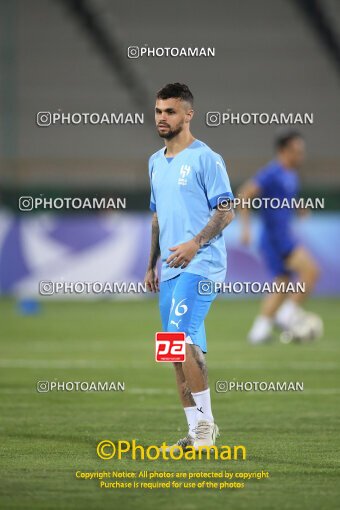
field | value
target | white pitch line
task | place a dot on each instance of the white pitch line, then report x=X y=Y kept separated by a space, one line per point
x=293 y=365
x=322 y=391
x=135 y=391
x=169 y=391
x=151 y=391
x=63 y=364
x=79 y=364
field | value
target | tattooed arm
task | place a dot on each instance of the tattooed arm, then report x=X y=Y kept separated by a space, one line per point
x=185 y=252
x=151 y=277
x=217 y=223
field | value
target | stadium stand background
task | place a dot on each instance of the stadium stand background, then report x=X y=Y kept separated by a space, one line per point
x=71 y=55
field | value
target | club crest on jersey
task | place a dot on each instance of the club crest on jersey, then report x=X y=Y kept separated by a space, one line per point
x=184 y=172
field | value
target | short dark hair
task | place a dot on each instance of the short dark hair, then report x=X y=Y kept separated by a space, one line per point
x=176 y=90
x=285 y=137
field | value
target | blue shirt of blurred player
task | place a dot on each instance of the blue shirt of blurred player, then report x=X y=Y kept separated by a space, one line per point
x=277 y=238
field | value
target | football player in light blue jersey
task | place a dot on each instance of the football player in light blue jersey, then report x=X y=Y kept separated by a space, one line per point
x=189 y=184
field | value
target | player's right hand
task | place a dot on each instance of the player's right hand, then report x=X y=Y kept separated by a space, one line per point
x=151 y=280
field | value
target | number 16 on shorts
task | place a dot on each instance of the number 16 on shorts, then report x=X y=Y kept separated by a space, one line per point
x=170 y=346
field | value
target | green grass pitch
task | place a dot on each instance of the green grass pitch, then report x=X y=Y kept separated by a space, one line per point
x=47 y=437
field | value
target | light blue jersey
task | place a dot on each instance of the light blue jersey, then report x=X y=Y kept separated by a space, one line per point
x=184 y=193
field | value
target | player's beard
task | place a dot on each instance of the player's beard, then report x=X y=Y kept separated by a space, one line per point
x=169 y=135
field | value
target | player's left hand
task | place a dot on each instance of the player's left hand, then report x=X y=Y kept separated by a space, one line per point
x=182 y=254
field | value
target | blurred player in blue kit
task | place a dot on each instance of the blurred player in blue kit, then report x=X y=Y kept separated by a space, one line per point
x=282 y=252
x=188 y=180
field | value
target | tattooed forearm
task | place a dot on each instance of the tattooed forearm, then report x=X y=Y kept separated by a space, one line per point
x=216 y=224
x=154 y=250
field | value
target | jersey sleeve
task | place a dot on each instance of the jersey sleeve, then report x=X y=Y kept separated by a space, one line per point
x=216 y=180
x=152 y=194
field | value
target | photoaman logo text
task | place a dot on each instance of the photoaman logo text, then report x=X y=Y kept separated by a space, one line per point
x=108 y=450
